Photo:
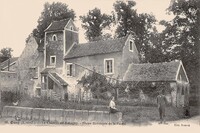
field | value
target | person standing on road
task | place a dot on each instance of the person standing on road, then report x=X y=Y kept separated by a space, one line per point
x=161 y=102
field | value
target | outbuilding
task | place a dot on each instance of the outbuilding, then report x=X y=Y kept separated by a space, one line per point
x=170 y=76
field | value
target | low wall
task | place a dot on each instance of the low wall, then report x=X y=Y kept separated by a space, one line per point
x=65 y=116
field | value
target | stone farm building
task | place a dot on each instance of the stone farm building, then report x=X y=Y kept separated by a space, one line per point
x=8 y=75
x=54 y=68
x=166 y=75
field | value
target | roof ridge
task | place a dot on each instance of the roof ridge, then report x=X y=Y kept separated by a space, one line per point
x=162 y=71
x=157 y=62
x=61 y=20
x=108 y=39
x=9 y=58
x=57 y=25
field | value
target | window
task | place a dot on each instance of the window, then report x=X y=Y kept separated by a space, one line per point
x=52 y=60
x=131 y=45
x=38 y=92
x=69 y=69
x=109 y=66
x=54 y=38
x=43 y=79
x=36 y=72
x=71 y=28
x=44 y=82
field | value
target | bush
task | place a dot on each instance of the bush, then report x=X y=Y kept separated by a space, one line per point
x=136 y=102
x=47 y=103
x=9 y=96
x=95 y=102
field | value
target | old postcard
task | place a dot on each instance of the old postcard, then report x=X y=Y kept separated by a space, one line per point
x=100 y=64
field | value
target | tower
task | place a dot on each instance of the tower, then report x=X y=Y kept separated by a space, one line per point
x=59 y=38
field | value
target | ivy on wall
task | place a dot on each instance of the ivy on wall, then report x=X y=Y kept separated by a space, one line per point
x=100 y=86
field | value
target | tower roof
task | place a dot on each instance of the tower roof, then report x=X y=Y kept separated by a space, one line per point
x=57 y=25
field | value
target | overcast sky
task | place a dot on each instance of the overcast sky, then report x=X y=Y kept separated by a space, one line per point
x=19 y=17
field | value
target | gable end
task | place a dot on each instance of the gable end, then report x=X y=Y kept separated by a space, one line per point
x=181 y=73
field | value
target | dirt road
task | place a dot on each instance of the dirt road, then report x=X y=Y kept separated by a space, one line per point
x=189 y=122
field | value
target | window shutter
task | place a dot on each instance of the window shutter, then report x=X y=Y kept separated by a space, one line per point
x=111 y=65
x=68 y=70
x=36 y=72
x=73 y=70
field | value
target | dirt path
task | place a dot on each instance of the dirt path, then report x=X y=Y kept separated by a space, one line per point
x=190 y=122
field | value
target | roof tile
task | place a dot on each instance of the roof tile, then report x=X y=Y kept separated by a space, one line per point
x=59 y=79
x=57 y=25
x=97 y=47
x=5 y=63
x=152 y=72
x=46 y=70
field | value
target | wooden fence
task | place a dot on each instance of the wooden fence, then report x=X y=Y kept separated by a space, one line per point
x=65 y=116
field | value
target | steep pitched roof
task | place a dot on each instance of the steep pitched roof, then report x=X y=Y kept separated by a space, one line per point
x=46 y=70
x=58 y=79
x=57 y=25
x=54 y=76
x=97 y=47
x=152 y=72
x=4 y=64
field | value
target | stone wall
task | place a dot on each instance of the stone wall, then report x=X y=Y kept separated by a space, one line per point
x=8 y=81
x=54 y=48
x=97 y=62
x=128 y=56
x=71 y=36
x=59 y=116
x=30 y=62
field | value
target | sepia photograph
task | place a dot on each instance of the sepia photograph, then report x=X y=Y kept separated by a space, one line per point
x=99 y=64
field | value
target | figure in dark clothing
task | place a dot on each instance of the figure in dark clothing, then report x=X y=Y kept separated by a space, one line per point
x=187 y=111
x=161 y=101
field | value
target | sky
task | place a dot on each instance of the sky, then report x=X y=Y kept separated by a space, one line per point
x=19 y=17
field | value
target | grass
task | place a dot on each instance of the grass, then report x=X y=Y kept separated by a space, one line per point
x=142 y=115
x=133 y=112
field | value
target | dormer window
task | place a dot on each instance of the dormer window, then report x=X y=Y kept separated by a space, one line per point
x=54 y=38
x=131 y=45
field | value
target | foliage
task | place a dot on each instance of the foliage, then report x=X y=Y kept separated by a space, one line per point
x=2 y=58
x=27 y=39
x=181 y=36
x=141 y=25
x=98 y=84
x=52 y=12
x=9 y=96
x=127 y=17
x=5 y=53
x=94 y=23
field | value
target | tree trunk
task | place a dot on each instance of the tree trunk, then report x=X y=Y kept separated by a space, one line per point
x=198 y=52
